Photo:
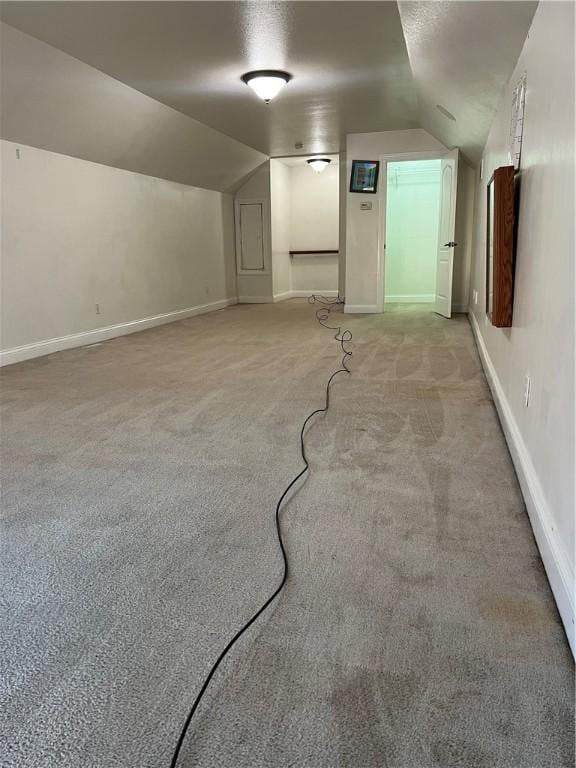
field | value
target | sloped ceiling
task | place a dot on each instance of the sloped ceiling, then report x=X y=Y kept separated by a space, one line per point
x=349 y=62
x=358 y=66
x=462 y=54
x=55 y=102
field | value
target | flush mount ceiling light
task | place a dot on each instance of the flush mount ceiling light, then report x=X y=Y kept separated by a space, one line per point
x=318 y=163
x=266 y=83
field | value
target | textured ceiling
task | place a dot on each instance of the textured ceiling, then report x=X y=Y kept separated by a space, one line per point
x=462 y=54
x=349 y=61
x=355 y=68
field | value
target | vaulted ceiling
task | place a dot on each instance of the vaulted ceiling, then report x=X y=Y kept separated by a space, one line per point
x=357 y=66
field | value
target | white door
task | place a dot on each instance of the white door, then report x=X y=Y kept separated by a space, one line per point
x=446 y=234
x=251 y=237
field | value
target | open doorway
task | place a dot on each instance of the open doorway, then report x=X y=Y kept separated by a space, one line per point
x=416 y=251
x=305 y=225
x=412 y=222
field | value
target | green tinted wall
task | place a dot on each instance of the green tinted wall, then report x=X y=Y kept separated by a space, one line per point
x=412 y=210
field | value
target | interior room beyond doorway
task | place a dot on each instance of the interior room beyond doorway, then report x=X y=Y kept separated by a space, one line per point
x=412 y=221
x=305 y=225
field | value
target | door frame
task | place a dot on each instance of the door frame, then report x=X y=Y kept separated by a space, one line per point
x=435 y=154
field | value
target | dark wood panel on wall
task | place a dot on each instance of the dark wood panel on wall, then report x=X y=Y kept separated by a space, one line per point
x=500 y=247
x=311 y=253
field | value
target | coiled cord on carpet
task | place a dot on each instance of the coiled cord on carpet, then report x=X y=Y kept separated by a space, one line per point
x=343 y=337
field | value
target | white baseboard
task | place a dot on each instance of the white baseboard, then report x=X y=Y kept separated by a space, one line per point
x=304 y=294
x=405 y=298
x=360 y=309
x=307 y=294
x=422 y=298
x=255 y=299
x=282 y=296
x=48 y=346
x=558 y=569
x=354 y=309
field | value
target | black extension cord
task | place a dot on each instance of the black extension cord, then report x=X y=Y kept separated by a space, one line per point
x=343 y=337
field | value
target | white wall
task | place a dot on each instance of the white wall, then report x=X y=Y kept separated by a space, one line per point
x=258 y=287
x=363 y=228
x=316 y=273
x=541 y=341
x=76 y=234
x=314 y=224
x=50 y=100
x=314 y=210
x=412 y=217
x=464 y=237
x=280 y=199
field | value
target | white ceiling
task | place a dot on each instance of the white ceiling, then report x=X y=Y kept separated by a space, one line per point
x=355 y=68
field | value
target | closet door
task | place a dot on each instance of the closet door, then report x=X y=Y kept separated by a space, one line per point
x=251 y=237
x=446 y=232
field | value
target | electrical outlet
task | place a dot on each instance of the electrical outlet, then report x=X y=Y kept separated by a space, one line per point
x=527 y=387
x=97 y=309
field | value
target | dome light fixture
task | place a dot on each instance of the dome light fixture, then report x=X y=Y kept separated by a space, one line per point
x=319 y=163
x=266 y=83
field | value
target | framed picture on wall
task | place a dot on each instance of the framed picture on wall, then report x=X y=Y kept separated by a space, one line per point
x=364 y=178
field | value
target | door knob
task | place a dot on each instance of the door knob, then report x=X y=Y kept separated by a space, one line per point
x=451 y=244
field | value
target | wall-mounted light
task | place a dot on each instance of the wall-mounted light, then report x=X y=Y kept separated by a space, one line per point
x=319 y=163
x=266 y=83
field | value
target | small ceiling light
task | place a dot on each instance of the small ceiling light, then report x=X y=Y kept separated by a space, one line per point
x=318 y=163
x=266 y=83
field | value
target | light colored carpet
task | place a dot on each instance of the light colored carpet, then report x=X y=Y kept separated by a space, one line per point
x=417 y=628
